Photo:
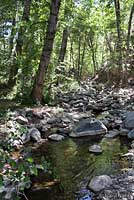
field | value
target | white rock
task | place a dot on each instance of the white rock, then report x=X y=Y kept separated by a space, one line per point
x=56 y=137
x=95 y=149
x=99 y=183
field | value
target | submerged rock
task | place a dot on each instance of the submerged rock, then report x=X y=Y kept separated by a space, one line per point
x=56 y=137
x=99 y=183
x=95 y=149
x=112 y=134
x=88 y=128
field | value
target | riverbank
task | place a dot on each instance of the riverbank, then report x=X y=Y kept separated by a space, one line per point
x=96 y=111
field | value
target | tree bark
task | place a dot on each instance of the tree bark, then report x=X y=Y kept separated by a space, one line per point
x=63 y=45
x=19 y=42
x=91 y=46
x=82 y=58
x=12 y=37
x=37 y=92
x=79 y=57
x=118 y=26
x=129 y=26
x=25 y=18
x=109 y=44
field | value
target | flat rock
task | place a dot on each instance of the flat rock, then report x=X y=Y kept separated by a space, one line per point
x=88 y=128
x=21 y=120
x=99 y=183
x=56 y=137
x=95 y=149
x=129 y=121
x=112 y=134
x=123 y=131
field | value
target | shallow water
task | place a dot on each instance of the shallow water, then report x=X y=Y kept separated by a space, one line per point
x=74 y=166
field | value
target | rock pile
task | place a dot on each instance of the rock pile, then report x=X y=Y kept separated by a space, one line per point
x=113 y=108
x=122 y=188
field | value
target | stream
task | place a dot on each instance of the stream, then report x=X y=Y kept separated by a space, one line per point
x=73 y=166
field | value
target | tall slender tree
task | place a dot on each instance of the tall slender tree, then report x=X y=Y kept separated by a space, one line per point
x=19 y=42
x=37 y=91
x=118 y=26
x=63 y=45
x=129 y=26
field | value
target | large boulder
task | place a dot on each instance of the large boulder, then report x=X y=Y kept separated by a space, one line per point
x=129 y=120
x=88 y=128
x=99 y=183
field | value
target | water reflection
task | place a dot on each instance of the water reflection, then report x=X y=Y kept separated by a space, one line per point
x=74 y=166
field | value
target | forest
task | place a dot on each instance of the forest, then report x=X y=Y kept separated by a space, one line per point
x=66 y=99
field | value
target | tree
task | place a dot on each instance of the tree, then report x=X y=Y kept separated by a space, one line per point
x=129 y=26
x=37 y=92
x=19 y=43
x=118 y=26
x=63 y=45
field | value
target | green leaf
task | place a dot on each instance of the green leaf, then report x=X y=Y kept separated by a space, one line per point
x=33 y=171
x=30 y=160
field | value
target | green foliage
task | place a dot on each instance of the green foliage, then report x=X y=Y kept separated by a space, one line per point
x=59 y=80
x=91 y=24
x=17 y=168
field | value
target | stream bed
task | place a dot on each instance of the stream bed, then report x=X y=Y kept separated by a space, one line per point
x=73 y=166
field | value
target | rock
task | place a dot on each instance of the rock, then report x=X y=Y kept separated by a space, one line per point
x=38 y=114
x=17 y=144
x=84 y=194
x=99 y=183
x=123 y=131
x=53 y=120
x=95 y=149
x=89 y=107
x=22 y=120
x=112 y=134
x=88 y=128
x=129 y=121
x=32 y=135
x=56 y=137
x=35 y=135
x=131 y=134
x=66 y=130
x=132 y=144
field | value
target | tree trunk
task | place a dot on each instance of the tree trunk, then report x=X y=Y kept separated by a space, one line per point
x=63 y=45
x=119 y=41
x=25 y=18
x=72 y=54
x=79 y=57
x=37 y=92
x=82 y=58
x=12 y=37
x=91 y=46
x=109 y=44
x=129 y=27
x=19 y=42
